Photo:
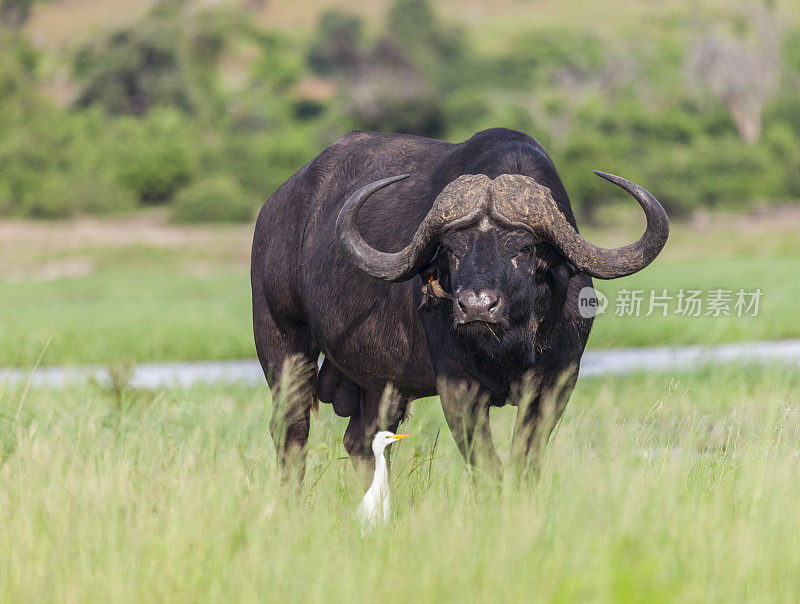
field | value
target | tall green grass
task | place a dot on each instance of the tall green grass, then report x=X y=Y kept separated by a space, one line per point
x=654 y=487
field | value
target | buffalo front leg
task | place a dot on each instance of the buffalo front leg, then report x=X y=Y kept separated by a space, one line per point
x=467 y=413
x=539 y=407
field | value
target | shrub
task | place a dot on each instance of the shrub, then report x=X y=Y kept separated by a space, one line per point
x=728 y=173
x=336 y=43
x=213 y=29
x=18 y=62
x=261 y=162
x=588 y=149
x=134 y=69
x=431 y=42
x=6 y=200
x=465 y=111
x=390 y=94
x=280 y=65
x=14 y=13
x=66 y=195
x=212 y=199
x=155 y=155
x=42 y=146
x=381 y=106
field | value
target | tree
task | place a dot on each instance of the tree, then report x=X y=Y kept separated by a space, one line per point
x=389 y=94
x=336 y=44
x=429 y=43
x=742 y=73
x=134 y=69
x=14 y=13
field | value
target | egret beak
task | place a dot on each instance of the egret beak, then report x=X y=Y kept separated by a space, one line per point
x=399 y=436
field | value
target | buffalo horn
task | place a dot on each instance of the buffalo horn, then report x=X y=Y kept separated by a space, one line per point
x=521 y=201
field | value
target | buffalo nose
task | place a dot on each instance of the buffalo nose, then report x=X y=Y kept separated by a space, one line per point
x=481 y=305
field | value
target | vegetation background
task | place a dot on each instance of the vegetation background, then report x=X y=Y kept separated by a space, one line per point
x=207 y=107
x=128 y=126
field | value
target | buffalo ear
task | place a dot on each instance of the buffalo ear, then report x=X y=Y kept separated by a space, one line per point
x=563 y=272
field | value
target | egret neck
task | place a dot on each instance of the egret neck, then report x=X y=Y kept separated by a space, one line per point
x=374 y=507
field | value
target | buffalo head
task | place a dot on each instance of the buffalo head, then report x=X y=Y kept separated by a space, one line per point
x=500 y=249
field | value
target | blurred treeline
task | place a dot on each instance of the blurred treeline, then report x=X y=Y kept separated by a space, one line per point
x=205 y=111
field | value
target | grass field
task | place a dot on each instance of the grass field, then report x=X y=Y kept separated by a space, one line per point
x=155 y=313
x=680 y=485
x=656 y=487
x=150 y=292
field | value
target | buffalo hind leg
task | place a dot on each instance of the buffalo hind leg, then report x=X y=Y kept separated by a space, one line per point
x=466 y=410
x=377 y=411
x=288 y=357
x=292 y=399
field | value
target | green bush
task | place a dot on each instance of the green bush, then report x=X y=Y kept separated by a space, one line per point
x=67 y=195
x=212 y=199
x=43 y=146
x=432 y=43
x=280 y=64
x=261 y=161
x=155 y=155
x=388 y=110
x=6 y=200
x=466 y=110
x=134 y=69
x=335 y=45
x=18 y=62
x=214 y=28
x=155 y=110
x=728 y=173
x=14 y=13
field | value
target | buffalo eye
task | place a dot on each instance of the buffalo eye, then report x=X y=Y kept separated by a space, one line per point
x=524 y=254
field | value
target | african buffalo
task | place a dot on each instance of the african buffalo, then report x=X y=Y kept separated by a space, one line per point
x=417 y=262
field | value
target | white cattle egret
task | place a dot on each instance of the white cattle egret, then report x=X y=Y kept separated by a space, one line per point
x=374 y=508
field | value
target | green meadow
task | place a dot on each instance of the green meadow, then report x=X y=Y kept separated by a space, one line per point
x=148 y=303
x=655 y=487
x=139 y=137
x=675 y=485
